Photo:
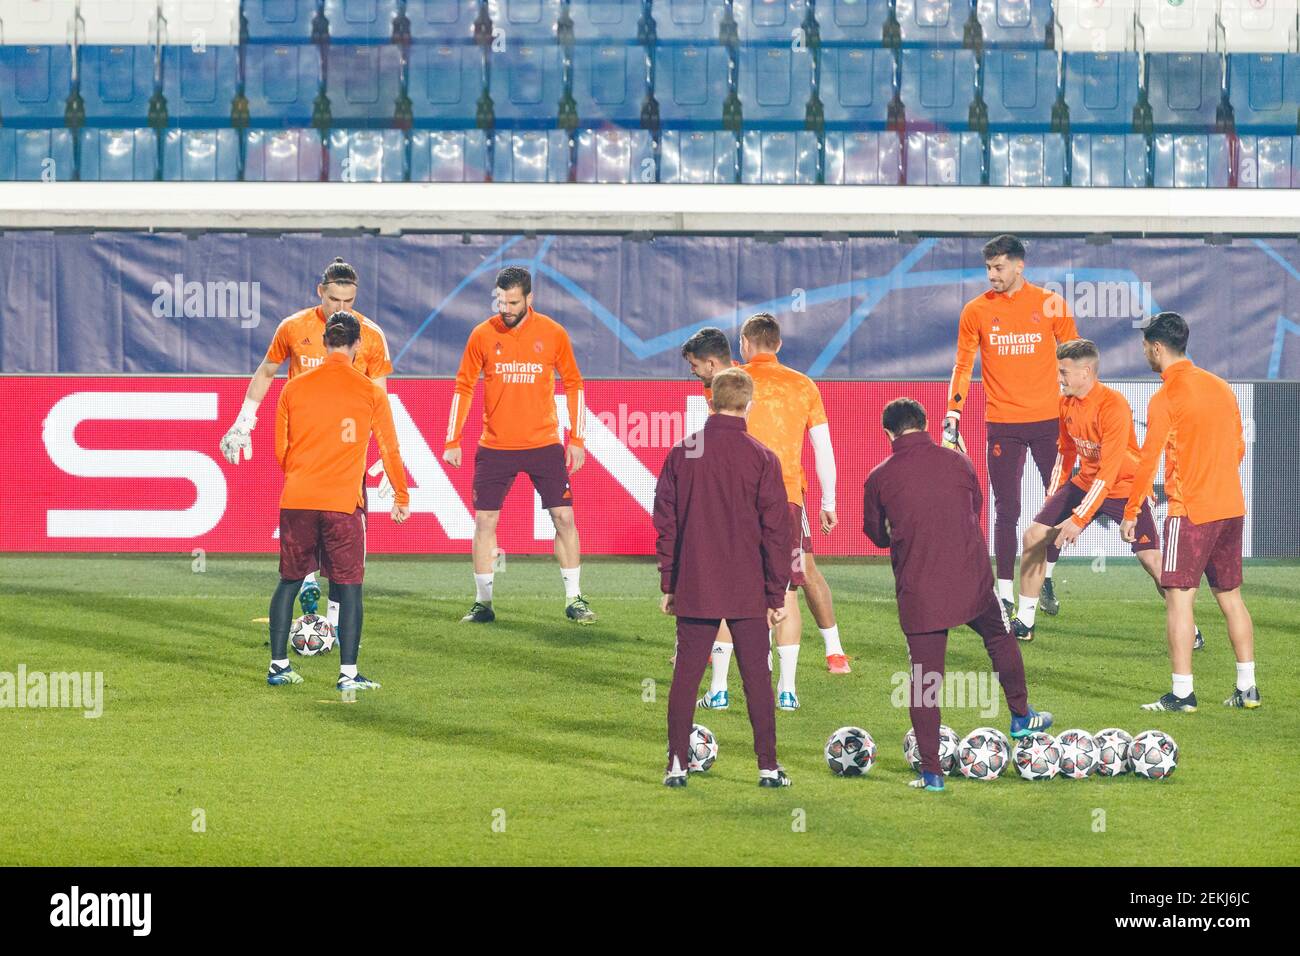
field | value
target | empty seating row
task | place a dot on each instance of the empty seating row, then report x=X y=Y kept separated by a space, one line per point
x=185 y=22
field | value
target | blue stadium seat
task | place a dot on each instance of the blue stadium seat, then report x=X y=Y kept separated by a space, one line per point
x=931 y=23
x=1027 y=159
x=615 y=156
x=775 y=84
x=445 y=82
x=116 y=83
x=1184 y=89
x=281 y=83
x=1020 y=89
x=691 y=84
x=779 y=157
x=605 y=21
x=863 y=159
x=1101 y=90
x=527 y=84
x=534 y=156
x=855 y=22
x=448 y=156
x=35 y=154
x=698 y=156
x=362 y=21
x=363 y=83
x=856 y=86
x=367 y=156
x=937 y=87
x=770 y=22
x=1191 y=161
x=194 y=155
x=1108 y=160
x=200 y=86
x=944 y=159
x=35 y=82
x=530 y=20
x=1268 y=162
x=279 y=21
x=440 y=21
x=119 y=155
x=1019 y=23
x=609 y=83
x=1265 y=91
x=698 y=21
x=283 y=156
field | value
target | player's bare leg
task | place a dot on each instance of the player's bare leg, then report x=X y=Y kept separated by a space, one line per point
x=569 y=556
x=1033 y=568
x=484 y=550
x=1150 y=560
x=1241 y=632
x=818 y=595
x=787 y=651
x=1180 y=634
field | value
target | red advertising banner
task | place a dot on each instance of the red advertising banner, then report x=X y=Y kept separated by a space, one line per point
x=131 y=464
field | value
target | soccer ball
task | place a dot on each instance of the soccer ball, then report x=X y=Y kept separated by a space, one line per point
x=703 y=749
x=850 y=752
x=310 y=635
x=1078 y=753
x=948 y=744
x=983 y=754
x=1113 y=746
x=1154 y=755
x=1038 y=757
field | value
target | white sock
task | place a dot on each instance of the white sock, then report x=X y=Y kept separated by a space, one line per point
x=1050 y=565
x=282 y=664
x=789 y=655
x=332 y=614
x=1004 y=590
x=1182 y=685
x=721 y=659
x=348 y=670
x=831 y=635
x=1245 y=675
x=570 y=576
x=310 y=579
x=483 y=587
x=1027 y=609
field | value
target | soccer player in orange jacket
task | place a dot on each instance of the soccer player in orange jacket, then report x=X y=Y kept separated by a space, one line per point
x=300 y=339
x=1015 y=327
x=1194 y=421
x=1096 y=429
x=518 y=352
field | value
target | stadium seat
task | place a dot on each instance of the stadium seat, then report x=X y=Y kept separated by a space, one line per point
x=937 y=86
x=1026 y=159
x=441 y=21
x=776 y=157
x=200 y=22
x=116 y=83
x=1190 y=26
x=1190 y=161
x=770 y=22
x=698 y=21
x=283 y=156
x=1101 y=90
x=609 y=83
x=34 y=84
x=281 y=83
x=943 y=159
x=1020 y=88
x=1019 y=23
x=35 y=154
x=535 y=156
x=24 y=23
x=117 y=21
x=530 y=20
x=362 y=21
x=119 y=155
x=1185 y=89
x=615 y=156
x=698 y=156
x=449 y=156
x=857 y=86
x=444 y=83
x=775 y=83
x=691 y=84
x=932 y=23
x=605 y=21
x=200 y=86
x=863 y=159
x=855 y=22
x=1251 y=26
x=527 y=83
x=208 y=155
x=1096 y=26
x=1264 y=90
x=367 y=156
x=1105 y=159
x=279 y=21
x=363 y=83
x=1268 y=162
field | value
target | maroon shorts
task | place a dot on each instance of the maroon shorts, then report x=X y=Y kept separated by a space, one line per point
x=495 y=470
x=1058 y=507
x=328 y=541
x=1212 y=549
x=800 y=544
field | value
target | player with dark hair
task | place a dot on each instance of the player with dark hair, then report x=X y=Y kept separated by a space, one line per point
x=1194 y=421
x=322 y=430
x=1015 y=328
x=707 y=352
x=924 y=504
x=301 y=340
x=518 y=352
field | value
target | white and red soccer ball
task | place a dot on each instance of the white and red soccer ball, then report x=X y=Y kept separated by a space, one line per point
x=850 y=752
x=983 y=754
x=310 y=635
x=1154 y=755
x=948 y=744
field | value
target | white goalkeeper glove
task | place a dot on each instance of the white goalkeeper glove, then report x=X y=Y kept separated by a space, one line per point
x=951 y=436
x=385 y=486
x=239 y=439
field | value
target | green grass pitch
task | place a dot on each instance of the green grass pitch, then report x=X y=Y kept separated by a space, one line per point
x=532 y=741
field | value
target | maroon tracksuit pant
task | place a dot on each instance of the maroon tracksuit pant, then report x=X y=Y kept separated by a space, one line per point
x=695 y=637
x=927 y=651
x=1007 y=445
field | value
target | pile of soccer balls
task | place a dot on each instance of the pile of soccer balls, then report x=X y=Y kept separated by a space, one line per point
x=1076 y=754
x=310 y=635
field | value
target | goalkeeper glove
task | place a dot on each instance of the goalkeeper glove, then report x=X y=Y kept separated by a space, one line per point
x=239 y=439
x=951 y=437
x=385 y=486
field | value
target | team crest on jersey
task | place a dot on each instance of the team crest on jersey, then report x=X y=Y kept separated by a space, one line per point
x=1035 y=317
x=537 y=347
x=498 y=348
x=997 y=449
